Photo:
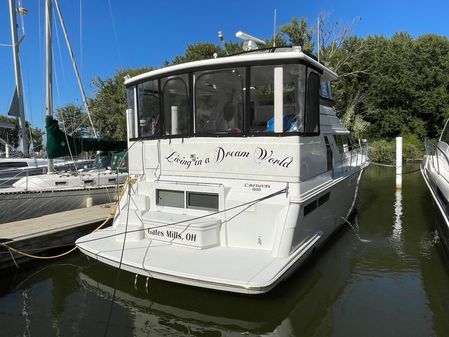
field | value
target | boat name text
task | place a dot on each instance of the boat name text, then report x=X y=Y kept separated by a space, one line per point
x=260 y=155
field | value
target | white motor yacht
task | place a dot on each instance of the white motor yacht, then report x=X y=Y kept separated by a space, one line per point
x=244 y=170
x=435 y=171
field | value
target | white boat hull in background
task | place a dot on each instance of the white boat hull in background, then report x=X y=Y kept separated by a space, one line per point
x=435 y=171
x=23 y=205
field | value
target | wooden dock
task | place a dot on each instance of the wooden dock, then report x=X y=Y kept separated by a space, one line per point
x=43 y=235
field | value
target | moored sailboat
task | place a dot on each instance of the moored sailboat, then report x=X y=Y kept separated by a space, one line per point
x=37 y=195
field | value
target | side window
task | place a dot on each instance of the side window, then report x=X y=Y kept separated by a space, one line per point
x=325 y=90
x=312 y=116
x=219 y=101
x=176 y=105
x=149 y=109
x=261 y=109
x=342 y=142
x=294 y=97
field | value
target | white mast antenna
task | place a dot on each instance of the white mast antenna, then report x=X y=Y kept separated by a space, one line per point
x=274 y=29
x=18 y=74
x=221 y=38
x=318 y=38
x=48 y=67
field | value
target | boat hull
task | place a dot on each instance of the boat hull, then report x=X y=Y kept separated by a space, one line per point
x=10 y=176
x=441 y=205
x=246 y=270
x=22 y=205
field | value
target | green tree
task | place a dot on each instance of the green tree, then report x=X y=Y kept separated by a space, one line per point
x=36 y=136
x=108 y=106
x=10 y=135
x=406 y=84
x=198 y=51
x=299 y=34
x=73 y=120
x=279 y=39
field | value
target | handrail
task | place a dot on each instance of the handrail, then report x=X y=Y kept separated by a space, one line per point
x=432 y=151
x=342 y=158
x=428 y=141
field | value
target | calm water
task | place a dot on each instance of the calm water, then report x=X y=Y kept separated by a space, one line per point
x=393 y=282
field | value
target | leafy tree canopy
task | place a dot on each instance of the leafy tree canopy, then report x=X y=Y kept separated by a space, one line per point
x=72 y=119
x=108 y=106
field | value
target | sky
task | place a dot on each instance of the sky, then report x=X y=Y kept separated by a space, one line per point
x=108 y=35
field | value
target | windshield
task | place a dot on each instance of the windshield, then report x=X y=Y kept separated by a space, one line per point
x=219 y=97
x=230 y=101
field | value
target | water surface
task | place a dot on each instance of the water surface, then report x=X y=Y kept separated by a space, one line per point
x=389 y=279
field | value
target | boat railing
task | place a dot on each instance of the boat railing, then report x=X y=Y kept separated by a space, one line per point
x=352 y=156
x=435 y=155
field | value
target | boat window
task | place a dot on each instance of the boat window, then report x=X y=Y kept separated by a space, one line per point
x=325 y=90
x=176 y=105
x=170 y=198
x=219 y=99
x=149 y=109
x=261 y=114
x=207 y=201
x=312 y=116
x=131 y=111
x=342 y=142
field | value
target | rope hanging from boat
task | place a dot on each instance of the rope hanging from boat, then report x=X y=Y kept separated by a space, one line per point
x=129 y=181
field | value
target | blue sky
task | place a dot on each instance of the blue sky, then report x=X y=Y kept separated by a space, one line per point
x=147 y=33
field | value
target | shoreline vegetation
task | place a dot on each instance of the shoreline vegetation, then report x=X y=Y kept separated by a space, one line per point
x=387 y=86
x=384 y=151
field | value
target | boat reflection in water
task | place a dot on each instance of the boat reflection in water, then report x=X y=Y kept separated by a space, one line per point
x=163 y=308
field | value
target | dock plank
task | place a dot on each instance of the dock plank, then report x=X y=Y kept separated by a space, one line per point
x=28 y=228
x=41 y=235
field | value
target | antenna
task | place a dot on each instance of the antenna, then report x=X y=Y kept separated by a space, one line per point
x=274 y=29
x=220 y=36
x=318 y=38
x=250 y=42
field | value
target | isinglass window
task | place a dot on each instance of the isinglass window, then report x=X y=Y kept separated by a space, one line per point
x=262 y=92
x=219 y=101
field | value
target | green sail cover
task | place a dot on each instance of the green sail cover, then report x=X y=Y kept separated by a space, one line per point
x=57 y=145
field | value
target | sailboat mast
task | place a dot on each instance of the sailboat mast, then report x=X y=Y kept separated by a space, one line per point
x=18 y=74
x=48 y=67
